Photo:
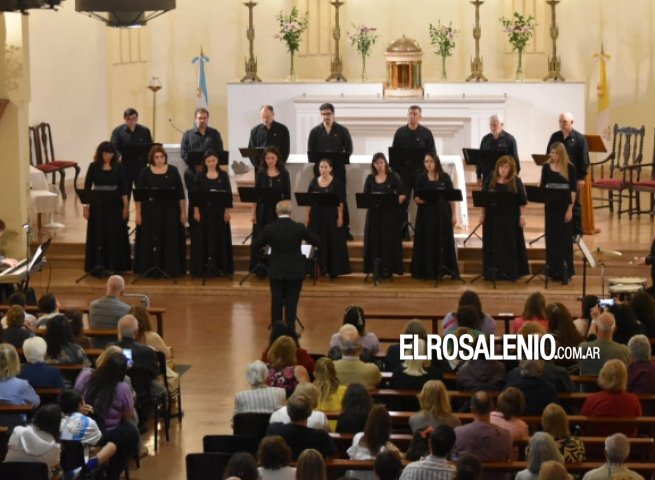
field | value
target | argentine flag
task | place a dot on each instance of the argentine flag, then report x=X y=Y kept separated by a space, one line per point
x=201 y=91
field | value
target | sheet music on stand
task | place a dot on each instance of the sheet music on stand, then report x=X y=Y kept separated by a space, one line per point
x=586 y=253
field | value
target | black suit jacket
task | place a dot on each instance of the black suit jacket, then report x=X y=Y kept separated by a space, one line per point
x=285 y=236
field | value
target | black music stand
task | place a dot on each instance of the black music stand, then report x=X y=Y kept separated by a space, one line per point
x=211 y=199
x=377 y=201
x=432 y=197
x=545 y=195
x=252 y=154
x=256 y=195
x=485 y=159
x=98 y=198
x=134 y=157
x=492 y=199
x=407 y=163
x=339 y=161
x=155 y=195
x=34 y=264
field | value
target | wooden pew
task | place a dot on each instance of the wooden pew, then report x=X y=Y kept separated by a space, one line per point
x=90 y=352
x=158 y=312
x=22 y=408
x=48 y=394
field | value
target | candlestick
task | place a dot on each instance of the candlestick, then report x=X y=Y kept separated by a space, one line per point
x=336 y=68
x=251 y=62
x=476 y=63
x=554 y=63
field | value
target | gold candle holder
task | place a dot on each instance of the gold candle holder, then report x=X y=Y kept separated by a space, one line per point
x=476 y=64
x=154 y=86
x=336 y=67
x=554 y=63
x=251 y=62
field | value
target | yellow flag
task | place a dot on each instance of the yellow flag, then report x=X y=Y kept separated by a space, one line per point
x=603 y=92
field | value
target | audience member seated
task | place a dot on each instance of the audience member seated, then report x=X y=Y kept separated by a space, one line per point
x=105 y=312
x=542 y=448
x=331 y=393
x=617 y=449
x=76 y=320
x=106 y=391
x=555 y=422
x=36 y=371
x=350 y=369
x=534 y=310
x=641 y=372
x=613 y=400
x=274 y=457
x=16 y=332
x=435 y=465
x=76 y=426
x=18 y=298
x=373 y=440
x=311 y=466
x=392 y=359
x=560 y=325
x=643 y=306
x=589 y=307
x=355 y=407
x=354 y=315
x=49 y=307
x=13 y=390
x=279 y=329
x=419 y=446
x=554 y=470
x=283 y=368
x=481 y=374
x=467 y=317
x=434 y=406
x=297 y=434
x=61 y=349
x=242 y=465
x=413 y=374
x=259 y=398
x=316 y=419
x=627 y=325
x=510 y=406
x=538 y=391
x=607 y=348
x=37 y=442
x=468 y=467
x=484 y=322
x=387 y=465
x=480 y=438
x=554 y=374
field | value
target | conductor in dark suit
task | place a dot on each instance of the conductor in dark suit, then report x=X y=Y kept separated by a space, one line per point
x=286 y=263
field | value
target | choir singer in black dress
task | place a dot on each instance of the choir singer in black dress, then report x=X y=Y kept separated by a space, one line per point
x=503 y=249
x=211 y=235
x=160 y=240
x=559 y=173
x=382 y=230
x=434 y=254
x=327 y=223
x=107 y=243
x=271 y=174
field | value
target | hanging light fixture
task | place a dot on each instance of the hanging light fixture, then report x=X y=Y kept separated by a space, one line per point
x=24 y=5
x=124 y=13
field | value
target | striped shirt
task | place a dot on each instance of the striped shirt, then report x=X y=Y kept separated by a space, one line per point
x=431 y=468
x=259 y=400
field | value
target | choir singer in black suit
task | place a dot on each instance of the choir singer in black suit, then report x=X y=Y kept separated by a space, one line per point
x=269 y=133
x=287 y=264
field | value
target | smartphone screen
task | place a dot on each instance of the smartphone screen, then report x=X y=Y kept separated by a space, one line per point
x=128 y=354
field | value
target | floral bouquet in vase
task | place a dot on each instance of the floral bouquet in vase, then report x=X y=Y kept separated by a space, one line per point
x=292 y=27
x=443 y=37
x=363 y=38
x=519 y=30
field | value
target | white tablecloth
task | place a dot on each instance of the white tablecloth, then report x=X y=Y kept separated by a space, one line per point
x=44 y=197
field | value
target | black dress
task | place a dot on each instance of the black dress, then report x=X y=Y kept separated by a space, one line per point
x=107 y=242
x=559 y=235
x=333 y=253
x=382 y=235
x=503 y=246
x=211 y=238
x=434 y=240
x=265 y=211
x=160 y=238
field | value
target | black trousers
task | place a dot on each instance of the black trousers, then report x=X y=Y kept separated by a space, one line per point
x=285 y=293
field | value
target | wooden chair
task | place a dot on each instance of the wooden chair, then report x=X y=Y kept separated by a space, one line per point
x=47 y=153
x=251 y=424
x=647 y=185
x=623 y=162
x=230 y=444
x=201 y=466
x=24 y=470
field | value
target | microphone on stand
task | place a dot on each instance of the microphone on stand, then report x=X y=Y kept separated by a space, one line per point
x=605 y=251
x=170 y=121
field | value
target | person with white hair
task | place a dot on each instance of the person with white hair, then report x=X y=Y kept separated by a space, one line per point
x=316 y=419
x=38 y=373
x=641 y=372
x=497 y=140
x=617 y=449
x=259 y=398
x=350 y=369
x=105 y=312
x=542 y=448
